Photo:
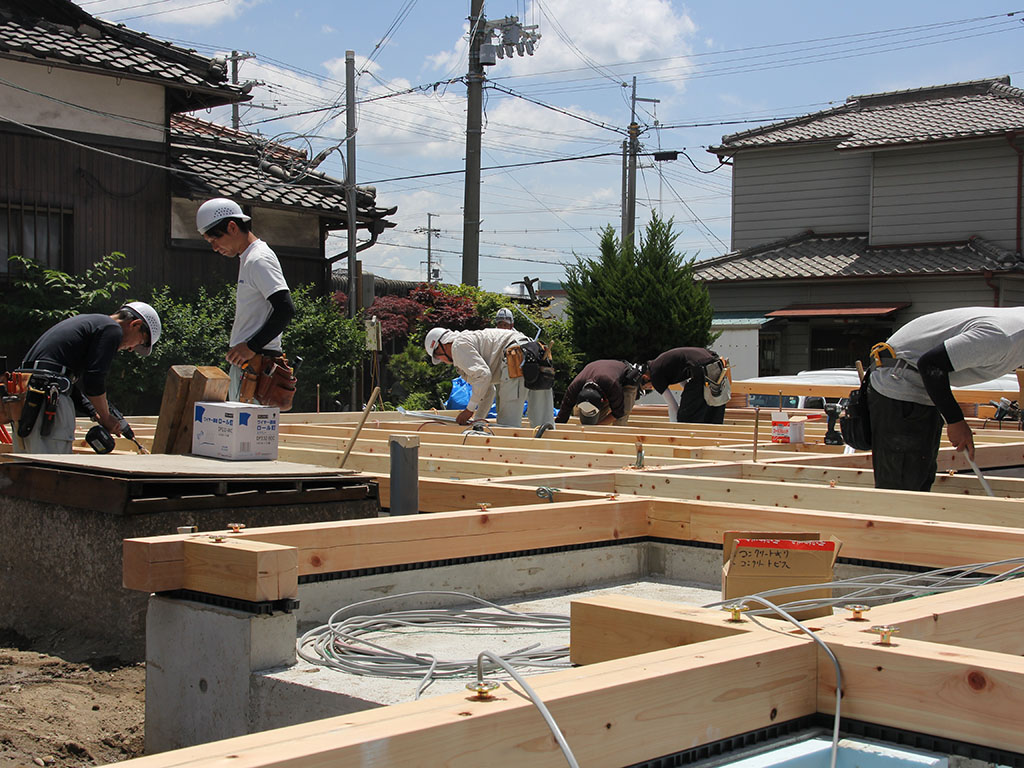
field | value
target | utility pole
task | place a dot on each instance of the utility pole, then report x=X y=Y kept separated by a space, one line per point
x=350 y=201
x=246 y=86
x=634 y=132
x=623 y=205
x=235 y=58
x=479 y=34
x=430 y=231
x=514 y=39
x=629 y=214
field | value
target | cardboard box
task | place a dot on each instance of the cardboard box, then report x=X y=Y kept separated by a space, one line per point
x=757 y=561
x=785 y=429
x=237 y=431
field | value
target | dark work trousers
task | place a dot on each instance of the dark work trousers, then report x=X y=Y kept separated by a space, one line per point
x=904 y=443
x=694 y=409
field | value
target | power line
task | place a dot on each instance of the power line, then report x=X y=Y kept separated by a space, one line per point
x=597 y=123
x=168 y=10
x=493 y=168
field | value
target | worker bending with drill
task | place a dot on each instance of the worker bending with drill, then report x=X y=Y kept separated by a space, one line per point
x=71 y=361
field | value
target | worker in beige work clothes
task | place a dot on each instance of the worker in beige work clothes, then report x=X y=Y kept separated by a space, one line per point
x=480 y=359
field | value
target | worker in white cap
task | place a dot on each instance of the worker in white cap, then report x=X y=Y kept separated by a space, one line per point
x=263 y=302
x=504 y=319
x=71 y=361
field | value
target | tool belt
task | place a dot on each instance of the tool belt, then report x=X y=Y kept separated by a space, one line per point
x=532 y=361
x=268 y=380
x=42 y=392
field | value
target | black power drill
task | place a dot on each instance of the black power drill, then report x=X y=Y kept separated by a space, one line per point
x=99 y=437
x=832 y=437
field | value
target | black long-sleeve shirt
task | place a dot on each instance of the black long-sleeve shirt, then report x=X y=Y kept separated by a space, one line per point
x=85 y=345
x=677 y=365
x=609 y=376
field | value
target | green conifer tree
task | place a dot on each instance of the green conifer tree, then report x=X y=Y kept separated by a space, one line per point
x=637 y=300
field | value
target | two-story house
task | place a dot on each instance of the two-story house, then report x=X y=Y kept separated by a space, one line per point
x=98 y=155
x=847 y=223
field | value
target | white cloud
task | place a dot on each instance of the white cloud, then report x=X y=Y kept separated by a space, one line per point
x=200 y=13
x=579 y=34
x=327 y=29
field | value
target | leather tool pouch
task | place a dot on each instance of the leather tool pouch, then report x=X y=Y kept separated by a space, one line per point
x=514 y=358
x=13 y=399
x=276 y=382
x=11 y=407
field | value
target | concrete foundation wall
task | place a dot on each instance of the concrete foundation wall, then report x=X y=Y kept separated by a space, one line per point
x=60 y=568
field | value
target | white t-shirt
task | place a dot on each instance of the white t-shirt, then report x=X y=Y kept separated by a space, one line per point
x=259 y=277
x=983 y=343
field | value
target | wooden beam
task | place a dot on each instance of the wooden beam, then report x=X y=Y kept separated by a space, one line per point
x=964 y=694
x=612 y=714
x=864 y=537
x=248 y=570
x=451 y=495
x=979 y=510
x=477 y=450
x=985 y=618
x=157 y=563
x=616 y=626
x=176 y=389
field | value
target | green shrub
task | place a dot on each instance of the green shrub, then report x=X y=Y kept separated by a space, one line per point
x=331 y=346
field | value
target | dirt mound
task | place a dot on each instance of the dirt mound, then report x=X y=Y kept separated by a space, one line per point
x=66 y=714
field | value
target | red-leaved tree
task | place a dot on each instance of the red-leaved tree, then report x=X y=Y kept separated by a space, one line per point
x=441 y=309
x=397 y=316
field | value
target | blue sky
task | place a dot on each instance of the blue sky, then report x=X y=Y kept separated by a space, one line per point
x=715 y=67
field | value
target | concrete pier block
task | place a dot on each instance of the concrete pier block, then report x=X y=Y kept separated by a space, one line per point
x=199 y=665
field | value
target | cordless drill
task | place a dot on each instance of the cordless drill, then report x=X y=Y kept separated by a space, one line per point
x=99 y=437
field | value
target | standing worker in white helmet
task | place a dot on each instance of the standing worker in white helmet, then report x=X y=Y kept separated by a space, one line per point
x=69 y=362
x=263 y=302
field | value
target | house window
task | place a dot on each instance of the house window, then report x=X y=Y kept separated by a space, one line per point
x=38 y=232
x=769 y=360
x=843 y=346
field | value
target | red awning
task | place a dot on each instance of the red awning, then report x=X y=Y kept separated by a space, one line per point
x=838 y=310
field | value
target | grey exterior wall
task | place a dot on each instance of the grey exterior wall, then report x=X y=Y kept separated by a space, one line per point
x=779 y=193
x=945 y=193
x=924 y=295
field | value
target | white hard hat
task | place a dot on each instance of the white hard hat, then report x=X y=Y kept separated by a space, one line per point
x=216 y=210
x=148 y=315
x=434 y=337
x=504 y=314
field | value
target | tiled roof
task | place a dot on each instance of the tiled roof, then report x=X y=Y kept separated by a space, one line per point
x=937 y=113
x=844 y=256
x=61 y=33
x=220 y=161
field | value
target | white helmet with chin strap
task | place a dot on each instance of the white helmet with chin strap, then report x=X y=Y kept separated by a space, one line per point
x=212 y=212
x=434 y=338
